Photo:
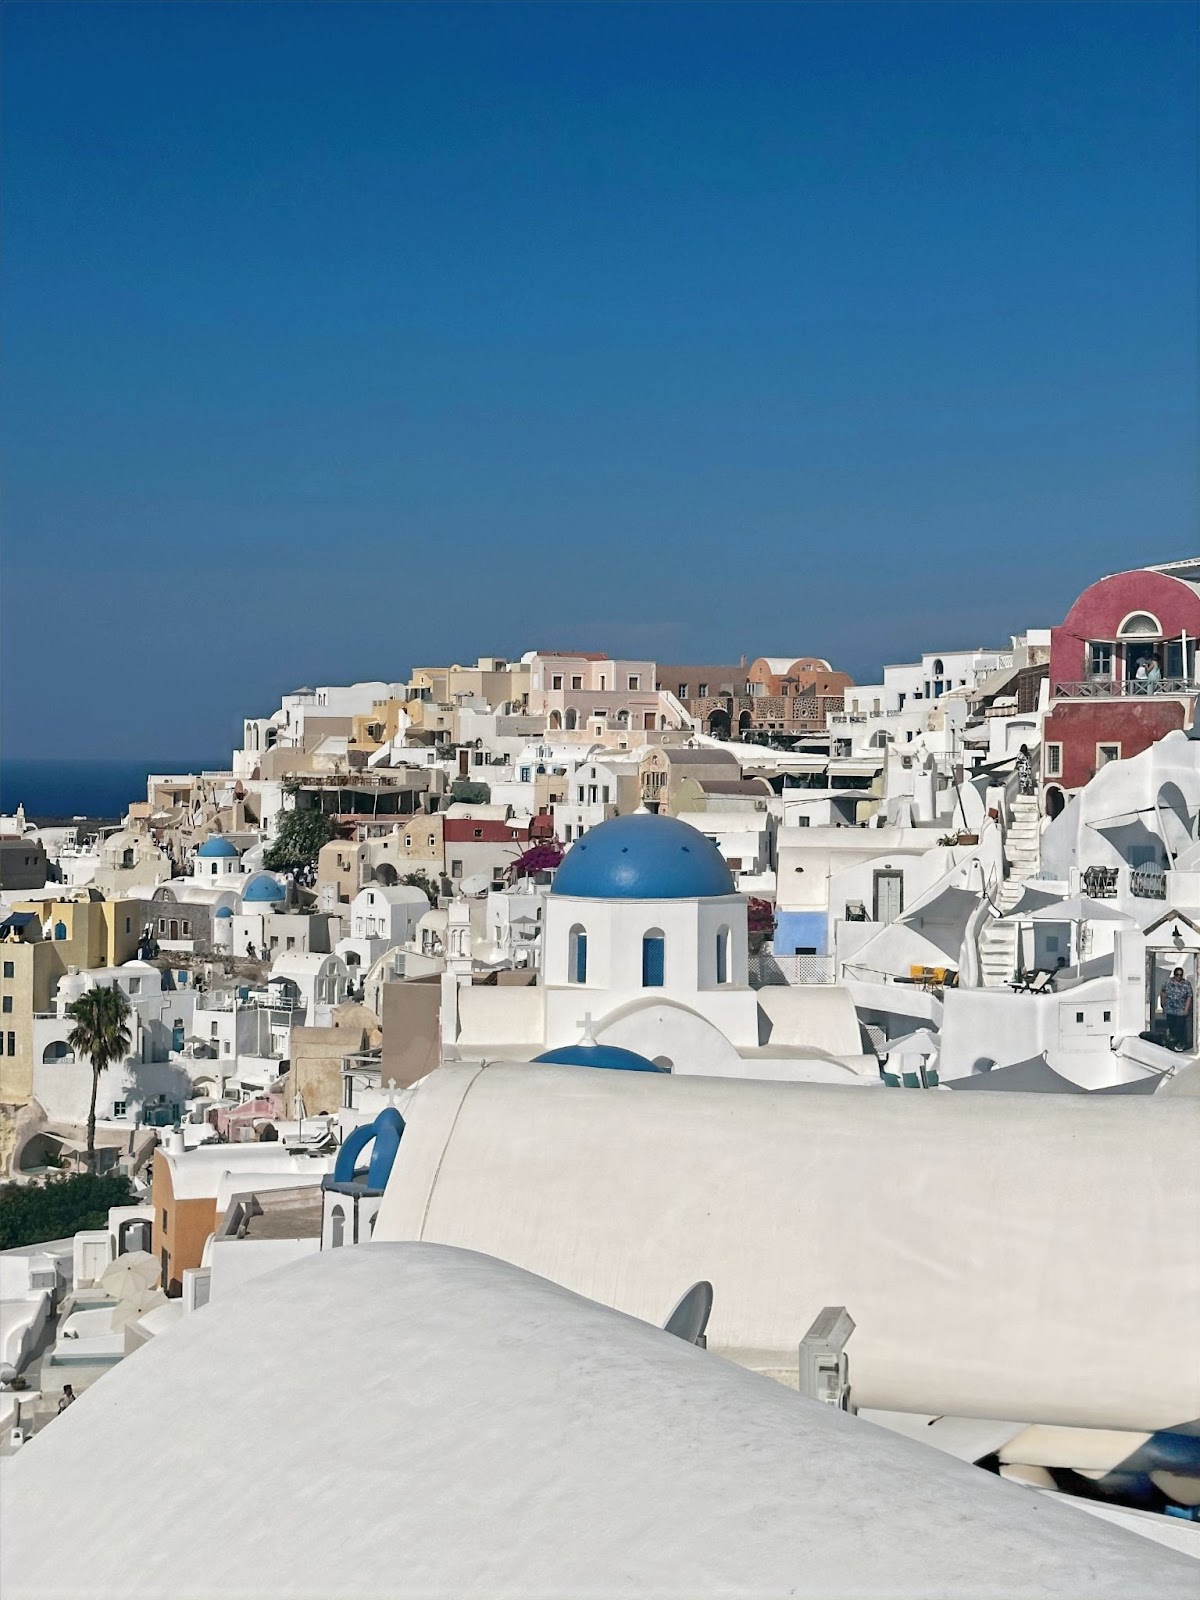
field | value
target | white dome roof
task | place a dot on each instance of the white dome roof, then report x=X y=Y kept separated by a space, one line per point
x=433 y=1421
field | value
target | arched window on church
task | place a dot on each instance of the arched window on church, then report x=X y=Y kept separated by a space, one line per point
x=337 y=1227
x=653 y=959
x=577 y=954
x=722 y=955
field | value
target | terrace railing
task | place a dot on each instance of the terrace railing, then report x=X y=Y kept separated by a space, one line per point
x=1122 y=688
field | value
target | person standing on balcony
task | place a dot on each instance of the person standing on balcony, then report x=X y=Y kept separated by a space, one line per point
x=1139 y=677
x=1176 y=1000
x=1153 y=676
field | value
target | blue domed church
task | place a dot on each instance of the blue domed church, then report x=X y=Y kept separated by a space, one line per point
x=644 y=966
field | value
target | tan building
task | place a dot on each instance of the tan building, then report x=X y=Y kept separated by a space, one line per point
x=318 y=1055
x=665 y=769
x=411 y=1031
x=342 y=869
x=39 y=940
x=717 y=697
x=414 y=845
x=795 y=696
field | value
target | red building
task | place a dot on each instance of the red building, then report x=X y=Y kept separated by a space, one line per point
x=1122 y=671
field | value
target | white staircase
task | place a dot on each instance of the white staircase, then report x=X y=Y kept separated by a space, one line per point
x=1022 y=855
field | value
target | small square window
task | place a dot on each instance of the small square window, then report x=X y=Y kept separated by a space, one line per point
x=8 y=969
x=1079 y=1016
x=8 y=1002
x=1108 y=1016
x=118 y=1108
x=577 y=682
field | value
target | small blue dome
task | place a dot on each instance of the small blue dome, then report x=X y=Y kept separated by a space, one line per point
x=263 y=889
x=643 y=857
x=224 y=911
x=214 y=845
x=609 y=1056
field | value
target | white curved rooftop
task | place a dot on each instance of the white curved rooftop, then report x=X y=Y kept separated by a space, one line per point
x=302 y=964
x=979 y=1241
x=486 y=1433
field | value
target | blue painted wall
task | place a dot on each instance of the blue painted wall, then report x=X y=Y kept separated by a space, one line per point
x=801 y=930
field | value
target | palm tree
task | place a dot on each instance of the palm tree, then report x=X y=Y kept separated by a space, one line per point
x=101 y=1032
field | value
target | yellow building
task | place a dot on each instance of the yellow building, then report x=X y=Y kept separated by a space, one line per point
x=39 y=940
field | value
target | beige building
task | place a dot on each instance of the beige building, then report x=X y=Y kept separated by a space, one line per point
x=39 y=940
x=314 y=1082
x=414 y=845
x=342 y=869
x=664 y=769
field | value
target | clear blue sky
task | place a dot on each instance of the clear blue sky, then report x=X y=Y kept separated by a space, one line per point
x=338 y=338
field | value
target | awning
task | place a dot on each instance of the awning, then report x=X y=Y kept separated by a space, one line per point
x=856 y=766
x=1081 y=908
x=1032 y=900
x=943 y=919
x=1035 y=1076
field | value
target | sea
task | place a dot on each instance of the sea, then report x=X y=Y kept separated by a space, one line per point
x=52 y=790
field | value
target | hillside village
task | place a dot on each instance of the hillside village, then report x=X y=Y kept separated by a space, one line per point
x=980 y=873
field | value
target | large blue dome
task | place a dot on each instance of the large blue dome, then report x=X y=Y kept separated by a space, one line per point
x=608 y=1056
x=214 y=845
x=264 y=889
x=643 y=857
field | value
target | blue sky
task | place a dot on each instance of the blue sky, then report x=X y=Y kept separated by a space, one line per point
x=339 y=338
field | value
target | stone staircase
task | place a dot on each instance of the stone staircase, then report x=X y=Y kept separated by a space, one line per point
x=1022 y=855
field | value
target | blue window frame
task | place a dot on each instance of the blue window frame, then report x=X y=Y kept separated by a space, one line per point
x=653 y=959
x=578 y=955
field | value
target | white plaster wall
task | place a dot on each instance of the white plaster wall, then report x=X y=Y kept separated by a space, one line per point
x=1012 y=1280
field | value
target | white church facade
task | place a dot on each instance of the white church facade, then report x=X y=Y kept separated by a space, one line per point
x=645 y=948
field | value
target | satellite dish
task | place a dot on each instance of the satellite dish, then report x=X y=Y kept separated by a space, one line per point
x=690 y=1317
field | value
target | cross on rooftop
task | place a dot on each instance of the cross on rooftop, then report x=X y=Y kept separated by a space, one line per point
x=586 y=1024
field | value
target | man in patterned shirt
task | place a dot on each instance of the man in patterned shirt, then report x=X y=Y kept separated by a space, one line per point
x=1176 y=1001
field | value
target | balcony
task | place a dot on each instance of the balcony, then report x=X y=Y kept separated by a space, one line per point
x=1145 y=883
x=1123 y=688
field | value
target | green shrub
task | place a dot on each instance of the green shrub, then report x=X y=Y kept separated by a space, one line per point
x=58 y=1207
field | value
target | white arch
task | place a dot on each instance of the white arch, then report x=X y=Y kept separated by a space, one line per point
x=1140 y=625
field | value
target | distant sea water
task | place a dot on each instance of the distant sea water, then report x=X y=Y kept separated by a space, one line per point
x=97 y=789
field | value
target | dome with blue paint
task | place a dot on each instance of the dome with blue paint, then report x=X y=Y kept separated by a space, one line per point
x=643 y=857
x=609 y=1057
x=224 y=911
x=264 y=890
x=214 y=845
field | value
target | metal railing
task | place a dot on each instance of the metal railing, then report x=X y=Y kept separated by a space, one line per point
x=1148 y=883
x=1121 y=688
x=767 y=970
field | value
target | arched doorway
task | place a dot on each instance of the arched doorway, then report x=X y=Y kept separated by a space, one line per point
x=1054 y=801
x=745 y=722
x=719 y=723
